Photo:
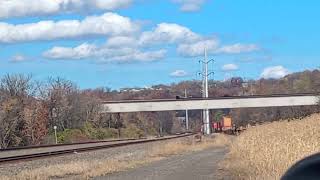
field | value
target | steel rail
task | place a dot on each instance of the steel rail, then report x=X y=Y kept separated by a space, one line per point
x=66 y=144
x=27 y=157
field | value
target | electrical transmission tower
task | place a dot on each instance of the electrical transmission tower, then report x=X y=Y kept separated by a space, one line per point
x=205 y=91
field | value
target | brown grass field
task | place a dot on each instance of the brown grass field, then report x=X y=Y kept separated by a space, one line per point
x=267 y=151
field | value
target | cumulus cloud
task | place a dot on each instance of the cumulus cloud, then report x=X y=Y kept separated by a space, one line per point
x=213 y=47
x=108 y=24
x=179 y=73
x=238 y=48
x=197 y=48
x=274 y=72
x=125 y=41
x=104 y=53
x=109 y=4
x=230 y=67
x=18 y=58
x=123 y=35
x=80 y=52
x=128 y=47
x=23 y=8
x=137 y=55
x=122 y=41
x=168 y=33
x=190 y=5
x=20 y=8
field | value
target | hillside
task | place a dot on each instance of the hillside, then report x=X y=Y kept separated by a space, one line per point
x=29 y=109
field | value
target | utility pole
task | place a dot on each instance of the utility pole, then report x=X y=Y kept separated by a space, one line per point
x=187 y=115
x=205 y=91
x=55 y=133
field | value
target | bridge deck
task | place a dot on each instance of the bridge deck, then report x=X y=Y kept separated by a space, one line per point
x=210 y=103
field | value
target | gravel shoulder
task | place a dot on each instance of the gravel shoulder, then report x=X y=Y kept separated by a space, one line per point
x=135 y=150
x=201 y=165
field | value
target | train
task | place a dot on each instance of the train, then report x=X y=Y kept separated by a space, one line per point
x=225 y=125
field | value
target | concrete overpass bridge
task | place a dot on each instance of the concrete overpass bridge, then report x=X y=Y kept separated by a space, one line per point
x=277 y=100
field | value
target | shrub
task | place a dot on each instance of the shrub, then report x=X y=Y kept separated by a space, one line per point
x=71 y=136
x=89 y=130
x=132 y=132
x=105 y=133
x=49 y=139
x=99 y=133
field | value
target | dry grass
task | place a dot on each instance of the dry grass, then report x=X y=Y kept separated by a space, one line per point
x=94 y=168
x=267 y=151
x=77 y=170
x=176 y=147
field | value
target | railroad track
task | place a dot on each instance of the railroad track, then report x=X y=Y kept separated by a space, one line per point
x=28 y=157
x=66 y=144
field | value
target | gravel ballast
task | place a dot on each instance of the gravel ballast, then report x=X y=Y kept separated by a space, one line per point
x=136 y=151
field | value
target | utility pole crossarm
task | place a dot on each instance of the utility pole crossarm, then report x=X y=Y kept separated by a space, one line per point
x=207 y=62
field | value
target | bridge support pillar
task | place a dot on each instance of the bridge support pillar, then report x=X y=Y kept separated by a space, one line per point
x=206 y=122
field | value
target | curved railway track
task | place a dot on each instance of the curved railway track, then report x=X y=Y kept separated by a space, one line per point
x=28 y=157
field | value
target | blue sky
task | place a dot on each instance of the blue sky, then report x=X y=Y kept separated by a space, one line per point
x=128 y=43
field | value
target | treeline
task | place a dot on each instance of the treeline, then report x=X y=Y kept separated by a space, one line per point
x=29 y=109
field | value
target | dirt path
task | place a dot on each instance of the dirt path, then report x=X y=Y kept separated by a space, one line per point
x=200 y=165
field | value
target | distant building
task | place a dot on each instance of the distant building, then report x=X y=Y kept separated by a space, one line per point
x=236 y=81
x=137 y=89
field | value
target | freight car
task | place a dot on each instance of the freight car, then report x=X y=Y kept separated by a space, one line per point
x=225 y=125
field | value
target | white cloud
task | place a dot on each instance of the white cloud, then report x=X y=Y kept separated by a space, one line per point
x=137 y=55
x=125 y=41
x=19 y=8
x=230 y=67
x=18 y=58
x=197 y=48
x=80 y=52
x=190 y=5
x=238 y=48
x=104 y=53
x=110 y=4
x=109 y=24
x=121 y=41
x=213 y=47
x=274 y=72
x=179 y=73
x=168 y=33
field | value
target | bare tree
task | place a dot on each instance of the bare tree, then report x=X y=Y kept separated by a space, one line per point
x=36 y=122
x=15 y=91
x=60 y=93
